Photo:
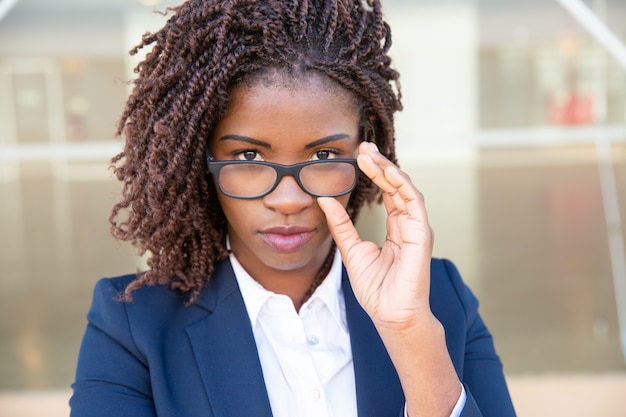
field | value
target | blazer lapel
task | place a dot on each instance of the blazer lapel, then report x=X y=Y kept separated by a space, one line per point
x=378 y=389
x=225 y=350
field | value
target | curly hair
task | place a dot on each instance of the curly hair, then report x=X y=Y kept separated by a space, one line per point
x=169 y=208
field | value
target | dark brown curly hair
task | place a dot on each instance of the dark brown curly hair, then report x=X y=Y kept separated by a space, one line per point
x=169 y=206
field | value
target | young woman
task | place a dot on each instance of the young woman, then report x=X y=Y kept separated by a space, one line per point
x=255 y=133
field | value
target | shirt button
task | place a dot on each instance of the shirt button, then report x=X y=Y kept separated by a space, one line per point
x=313 y=340
x=315 y=394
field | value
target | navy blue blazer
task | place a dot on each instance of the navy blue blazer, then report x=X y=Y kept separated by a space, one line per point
x=157 y=357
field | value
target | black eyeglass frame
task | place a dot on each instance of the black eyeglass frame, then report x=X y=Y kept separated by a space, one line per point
x=281 y=171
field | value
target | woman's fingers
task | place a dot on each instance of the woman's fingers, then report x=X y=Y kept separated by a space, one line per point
x=372 y=165
x=399 y=193
x=398 y=269
x=407 y=221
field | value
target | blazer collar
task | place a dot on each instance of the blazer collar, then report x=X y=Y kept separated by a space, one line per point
x=225 y=333
x=378 y=389
x=225 y=350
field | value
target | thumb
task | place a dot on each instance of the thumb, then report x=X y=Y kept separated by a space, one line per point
x=343 y=231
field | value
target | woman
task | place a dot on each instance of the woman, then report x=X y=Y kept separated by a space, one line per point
x=255 y=133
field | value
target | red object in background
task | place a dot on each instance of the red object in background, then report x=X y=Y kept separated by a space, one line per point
x=573 y=109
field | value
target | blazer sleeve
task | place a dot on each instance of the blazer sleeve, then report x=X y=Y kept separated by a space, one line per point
x=481 y=373
x=112 y=377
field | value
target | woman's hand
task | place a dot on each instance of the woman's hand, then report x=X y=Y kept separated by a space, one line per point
x=391 y=282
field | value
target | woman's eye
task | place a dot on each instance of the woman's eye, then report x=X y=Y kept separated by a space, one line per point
x=248 y=155
x=325 y=154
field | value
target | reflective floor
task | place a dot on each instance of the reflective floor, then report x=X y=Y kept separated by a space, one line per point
x=525 y=226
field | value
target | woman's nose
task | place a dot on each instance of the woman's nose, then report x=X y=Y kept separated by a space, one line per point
x=288 y=197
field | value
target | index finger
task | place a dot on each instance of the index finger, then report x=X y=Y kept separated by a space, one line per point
x=373 y=164
x=396 y=184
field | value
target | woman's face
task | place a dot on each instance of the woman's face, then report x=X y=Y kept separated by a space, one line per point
x=287 y=122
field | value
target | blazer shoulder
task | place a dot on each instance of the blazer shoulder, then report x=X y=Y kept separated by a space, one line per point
x=148 y=304
x=159 y=305
x=449 y=294
x=119 y=284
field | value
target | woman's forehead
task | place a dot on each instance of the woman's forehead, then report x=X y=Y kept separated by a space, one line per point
x=296 y=80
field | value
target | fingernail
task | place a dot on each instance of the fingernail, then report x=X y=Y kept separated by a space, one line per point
x=373 y=147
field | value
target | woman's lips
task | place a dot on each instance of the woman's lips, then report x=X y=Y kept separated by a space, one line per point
x=287 y=238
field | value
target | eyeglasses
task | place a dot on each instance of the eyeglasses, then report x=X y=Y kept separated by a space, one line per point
x=255 y=179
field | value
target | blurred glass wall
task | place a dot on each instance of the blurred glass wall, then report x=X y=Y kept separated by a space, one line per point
x=467 y=67
x=504 y=103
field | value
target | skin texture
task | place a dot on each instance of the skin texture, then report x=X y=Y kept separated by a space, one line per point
x=280 y=121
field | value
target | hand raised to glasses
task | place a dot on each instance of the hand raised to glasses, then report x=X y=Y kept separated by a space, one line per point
x=392 y=282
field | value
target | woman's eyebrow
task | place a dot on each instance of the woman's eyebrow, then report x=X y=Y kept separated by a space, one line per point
x=247 y=139
x=331 y=138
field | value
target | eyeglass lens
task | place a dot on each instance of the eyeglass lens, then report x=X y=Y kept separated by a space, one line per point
x=249 y=180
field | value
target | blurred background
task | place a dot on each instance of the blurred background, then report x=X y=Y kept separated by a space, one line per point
x=514 y=128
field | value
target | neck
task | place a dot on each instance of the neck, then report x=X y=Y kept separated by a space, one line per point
x=299 y=285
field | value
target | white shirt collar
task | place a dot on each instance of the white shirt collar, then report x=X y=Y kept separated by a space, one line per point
x=329 y=292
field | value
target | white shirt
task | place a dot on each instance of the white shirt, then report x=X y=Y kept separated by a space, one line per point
x=306 y=356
